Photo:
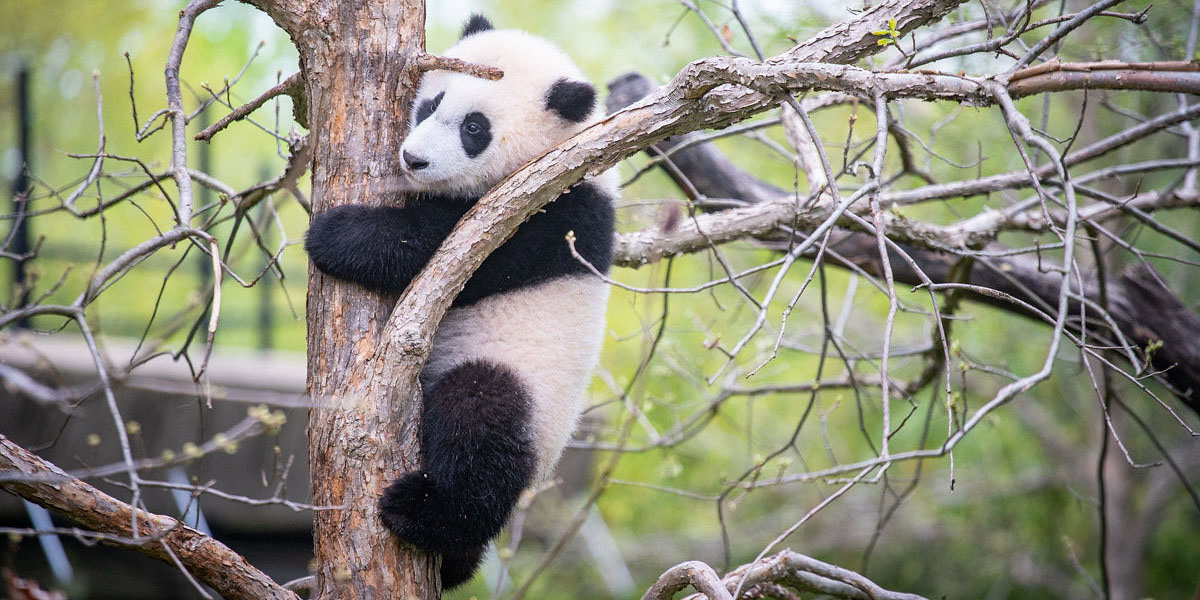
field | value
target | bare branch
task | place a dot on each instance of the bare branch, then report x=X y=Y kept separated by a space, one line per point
x=187 y=17
x=433 y=62
x=811 y=575
x=160 y=537
x=292 y=86
x=854 y=39
x=1053 y=76
x=794 y=570
x=692 y=573
x=1013 y=277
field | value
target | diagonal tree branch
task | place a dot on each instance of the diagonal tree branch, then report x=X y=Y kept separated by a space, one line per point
x=1026 y=277
x=292 y=86
x=852 y=40
x=691 y=573
x=158 y=536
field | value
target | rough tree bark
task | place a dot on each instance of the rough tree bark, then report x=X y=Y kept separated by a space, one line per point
x=358 y=84
x=359 y=63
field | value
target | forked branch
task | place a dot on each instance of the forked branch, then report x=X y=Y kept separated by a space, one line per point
x=292 y=86
x=789 y=569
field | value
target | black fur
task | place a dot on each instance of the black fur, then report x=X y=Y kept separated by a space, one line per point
x=383 y=248
x=476 y=24
x=478 y=457
x=475 y=131
x=475 y=433
x=428 y=107
x=416 y=163
x=572 y=100
x=458 y=567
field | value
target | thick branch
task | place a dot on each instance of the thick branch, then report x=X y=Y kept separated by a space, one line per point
x=852 y=40
x=692 y=573
x=794 y=570
x=160 y=537
x=1175 y=77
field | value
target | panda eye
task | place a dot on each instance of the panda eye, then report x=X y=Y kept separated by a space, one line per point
x=428 y=107
x=475 y=131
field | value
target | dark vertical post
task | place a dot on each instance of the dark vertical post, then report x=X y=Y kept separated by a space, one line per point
x=18 y=240
x=266 y=311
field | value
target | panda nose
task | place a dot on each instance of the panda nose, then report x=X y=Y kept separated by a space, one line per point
x=414 y=163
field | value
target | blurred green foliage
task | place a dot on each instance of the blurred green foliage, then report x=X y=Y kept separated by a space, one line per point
x=1011 y=501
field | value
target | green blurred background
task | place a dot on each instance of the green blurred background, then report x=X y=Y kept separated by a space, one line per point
x=1019 y=520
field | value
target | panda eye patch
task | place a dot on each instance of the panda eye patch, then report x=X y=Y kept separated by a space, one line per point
x=428 y=107
x=476 y=133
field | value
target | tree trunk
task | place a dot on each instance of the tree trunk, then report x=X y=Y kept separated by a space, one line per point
x=359 y=63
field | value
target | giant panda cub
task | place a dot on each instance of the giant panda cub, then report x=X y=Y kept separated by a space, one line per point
x=511 y=360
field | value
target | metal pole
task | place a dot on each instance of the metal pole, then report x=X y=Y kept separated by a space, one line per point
x=18 y=238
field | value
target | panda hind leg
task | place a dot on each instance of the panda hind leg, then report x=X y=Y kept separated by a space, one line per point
x=459 y=566
x=479 y=456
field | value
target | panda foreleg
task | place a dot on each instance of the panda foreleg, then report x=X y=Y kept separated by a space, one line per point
x=379 y=247
x=479 y=455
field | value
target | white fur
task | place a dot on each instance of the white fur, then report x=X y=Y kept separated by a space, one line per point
x=549 y=334
x=521 y=127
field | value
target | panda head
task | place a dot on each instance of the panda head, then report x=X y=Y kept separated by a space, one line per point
x=467 y=133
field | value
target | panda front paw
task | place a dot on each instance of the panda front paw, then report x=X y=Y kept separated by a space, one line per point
x=327 y=241
x=409 y=507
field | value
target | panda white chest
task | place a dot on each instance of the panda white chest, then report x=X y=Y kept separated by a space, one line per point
x=549 y=334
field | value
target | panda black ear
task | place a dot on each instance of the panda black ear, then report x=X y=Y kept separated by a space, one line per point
x=476 y=24
x=572 y=100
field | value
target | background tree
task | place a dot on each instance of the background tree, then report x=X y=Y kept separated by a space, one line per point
x=989 y=251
